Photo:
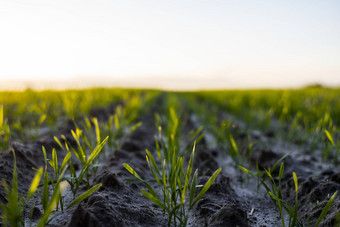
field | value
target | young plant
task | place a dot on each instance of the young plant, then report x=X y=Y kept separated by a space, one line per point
x=175 y=183
x=86 y=162
x=13 y=211
x=5 y=132
x=274 y=191
x=332 y=145
x=117 y=127
x=326 y=209
x=50 y=203
x=58 y=172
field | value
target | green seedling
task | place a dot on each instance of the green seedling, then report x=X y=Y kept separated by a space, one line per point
x=274 y=191
x=331 y=145
x=86 y=162
x=58 y=177
x=176 y=184
x=13 y=212
x=50 y=202
x=94 y=137
x=326 y=209
x=5 y=132
x=117 y=127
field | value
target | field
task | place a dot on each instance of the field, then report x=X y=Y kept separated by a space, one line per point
x=118 y=157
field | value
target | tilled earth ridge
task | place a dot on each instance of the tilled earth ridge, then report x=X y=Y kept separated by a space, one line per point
x=228 y=202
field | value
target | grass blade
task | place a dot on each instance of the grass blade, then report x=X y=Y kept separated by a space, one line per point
x=329 y=136
x=154 y=199
x=35 y=183
x=188 y=173
x=66 y=159
x=84 y=195
x=193 y=188
x=326 y=208
x=129 y=168
x=206 y=186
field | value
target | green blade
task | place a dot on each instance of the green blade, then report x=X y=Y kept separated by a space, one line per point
x=35 y=183
x=329 y=136
x=154 y=199
x=66 y=159
x=188 y=173
x=326 y=208
x=129 y=168
x=152 y=160
x=55 y=161
x=84 y=195
x=193 y=188
x=207 y=186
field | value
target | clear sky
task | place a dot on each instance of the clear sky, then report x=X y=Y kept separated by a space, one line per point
x=228 y=43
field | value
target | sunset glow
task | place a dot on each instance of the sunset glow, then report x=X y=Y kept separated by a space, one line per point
x=192 y=43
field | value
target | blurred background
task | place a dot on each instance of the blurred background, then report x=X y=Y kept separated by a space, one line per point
x=178 y=45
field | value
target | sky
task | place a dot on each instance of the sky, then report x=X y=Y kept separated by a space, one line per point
x=188 y=44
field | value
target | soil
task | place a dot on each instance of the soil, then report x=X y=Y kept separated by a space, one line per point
x=232 y=200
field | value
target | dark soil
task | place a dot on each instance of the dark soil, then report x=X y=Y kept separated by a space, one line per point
x=232 y=200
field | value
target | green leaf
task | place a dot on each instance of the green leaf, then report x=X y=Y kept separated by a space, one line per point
x=154 y=199
x=84 y=195
x=295 y=212
x=134 y=127
x=96 y=151
x=158 y=149
x=51 y=205
x=281 y=172
x=234 y=146
x=42 y=118
x=188 y=173
x=66 y=159
x=116 y=122
x=1 y=115
x=58 y=142
x=244 y=170
x=206 y=186
x=35 y=183
x=55 y=161
x=278 y=162
x=329 y=136
x=153 y=172
x=81 y=156
x=295 y=182
x=326 y=208
x=93 y=155
x=129 y=168
x=152 y=160
x=96 y=126
x=193 y=188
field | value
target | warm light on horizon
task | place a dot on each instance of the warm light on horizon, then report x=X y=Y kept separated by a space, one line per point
x=239 y=44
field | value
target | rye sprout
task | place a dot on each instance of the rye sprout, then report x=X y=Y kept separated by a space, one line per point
x=86 y=162
x=274 y=191
x=332 y=145
x=13 y=211
x=50 y=203
x=176 y=184
x=5 y=132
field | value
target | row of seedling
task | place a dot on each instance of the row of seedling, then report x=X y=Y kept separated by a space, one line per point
x=273 y=189
x=23 y=115
x=49 y=192
x=226 y=141
x=175 y=180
